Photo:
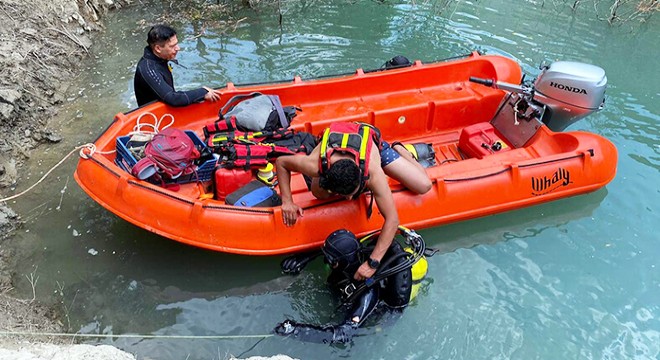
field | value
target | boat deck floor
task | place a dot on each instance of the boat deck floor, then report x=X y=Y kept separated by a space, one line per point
x=445 y=153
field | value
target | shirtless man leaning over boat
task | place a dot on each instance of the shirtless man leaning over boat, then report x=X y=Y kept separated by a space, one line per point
x=344 y=177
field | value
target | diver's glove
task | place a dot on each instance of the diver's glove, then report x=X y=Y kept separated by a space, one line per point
x=295 y=263
x=285 y=328
x=314 y=333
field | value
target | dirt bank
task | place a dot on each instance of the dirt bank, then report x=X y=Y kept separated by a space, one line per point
x=42 y=44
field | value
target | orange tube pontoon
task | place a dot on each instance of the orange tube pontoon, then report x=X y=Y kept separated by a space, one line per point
x=434 y=103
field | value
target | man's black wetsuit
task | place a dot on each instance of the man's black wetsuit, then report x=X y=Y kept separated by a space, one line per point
x=394 y=292
x=153 y=81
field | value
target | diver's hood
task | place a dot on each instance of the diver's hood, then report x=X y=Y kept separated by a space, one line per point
x=343 y=249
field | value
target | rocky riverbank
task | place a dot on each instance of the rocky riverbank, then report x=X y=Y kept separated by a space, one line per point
x=42 y=44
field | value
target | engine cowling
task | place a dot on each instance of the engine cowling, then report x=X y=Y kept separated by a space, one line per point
x=570 y=91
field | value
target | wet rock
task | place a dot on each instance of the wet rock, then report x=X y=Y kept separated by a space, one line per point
x=29 y=31
x=5 y=279
x=44 y=135
x=6 y=110
x=59 y=94
x=8 y=220
x=9 y=96
x=5 y=274
x=51 y=136
x=60 y=352
x=69 y=11
x=85 y=41
x=34 y=75
x=8 y=176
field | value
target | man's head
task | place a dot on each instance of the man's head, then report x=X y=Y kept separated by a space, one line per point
x=342 y=251
x=343 y=178
x=163 y=42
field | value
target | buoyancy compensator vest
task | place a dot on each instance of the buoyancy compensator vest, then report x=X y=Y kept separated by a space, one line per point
x=352 y=138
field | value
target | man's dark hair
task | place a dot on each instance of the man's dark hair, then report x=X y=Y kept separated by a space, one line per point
x=159 y=34
x=343 y=177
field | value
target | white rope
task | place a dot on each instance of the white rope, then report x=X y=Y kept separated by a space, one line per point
x=91 y=148
x=515 y=112
x=85 y=155
x=140 y=336
x=154 y=128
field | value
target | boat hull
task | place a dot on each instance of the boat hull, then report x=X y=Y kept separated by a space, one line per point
x=430 y=103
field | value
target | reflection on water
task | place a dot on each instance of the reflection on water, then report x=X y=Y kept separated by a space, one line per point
x=526 y=223
x=576 y=278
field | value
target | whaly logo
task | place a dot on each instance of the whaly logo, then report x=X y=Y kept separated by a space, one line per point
x=546 y=184
x=568 y=88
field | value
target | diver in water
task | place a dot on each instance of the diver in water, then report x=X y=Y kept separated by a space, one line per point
x=395 y=283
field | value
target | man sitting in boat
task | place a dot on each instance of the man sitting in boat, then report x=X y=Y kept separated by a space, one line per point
x=395 y=284
x=350 y=159
x=153 y=76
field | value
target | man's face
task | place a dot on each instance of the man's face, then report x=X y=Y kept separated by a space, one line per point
x=168 y=50
x=348 y=196
x=351 y=195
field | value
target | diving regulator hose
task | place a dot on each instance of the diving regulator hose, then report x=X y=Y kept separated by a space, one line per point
x=418 y=246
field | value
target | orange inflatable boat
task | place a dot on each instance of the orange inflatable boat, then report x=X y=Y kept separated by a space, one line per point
x=499 y=145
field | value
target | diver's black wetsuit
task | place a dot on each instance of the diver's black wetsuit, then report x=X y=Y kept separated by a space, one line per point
x=153 y=81
x=393 y=291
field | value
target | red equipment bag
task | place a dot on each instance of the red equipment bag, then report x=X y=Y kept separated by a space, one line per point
x=172 y=152
x=221 y=125
x=249 y=155
x=219 y=138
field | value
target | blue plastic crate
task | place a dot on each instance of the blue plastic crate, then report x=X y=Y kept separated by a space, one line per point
x=125 y=160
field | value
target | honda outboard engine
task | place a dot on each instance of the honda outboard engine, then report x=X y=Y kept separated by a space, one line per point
x=571 y=91
x=562 y=94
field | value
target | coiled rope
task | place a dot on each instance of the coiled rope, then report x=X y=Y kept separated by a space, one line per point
x=140 y=336
x=152 y=129
x=91 y=150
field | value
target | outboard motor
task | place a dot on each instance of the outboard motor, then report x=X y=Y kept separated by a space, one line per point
x=562 y=94
x=571 y=91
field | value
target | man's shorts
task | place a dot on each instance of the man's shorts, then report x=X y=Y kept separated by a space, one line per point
x=387 y=155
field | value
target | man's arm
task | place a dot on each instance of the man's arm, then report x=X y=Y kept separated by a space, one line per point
x=184 y=98
x=341 y=333
x=383 y=195
x=318 y=191
x=284 y=166
x=165 y=91
x=314 y=333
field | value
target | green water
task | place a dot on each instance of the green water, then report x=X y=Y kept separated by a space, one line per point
x=573 y=279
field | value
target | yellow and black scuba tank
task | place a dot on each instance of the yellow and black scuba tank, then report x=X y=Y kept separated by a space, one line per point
x=418 y=272
x=401 y=275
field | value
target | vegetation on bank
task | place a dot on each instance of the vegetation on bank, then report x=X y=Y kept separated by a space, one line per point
x=225 y=14
x=614 y=11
